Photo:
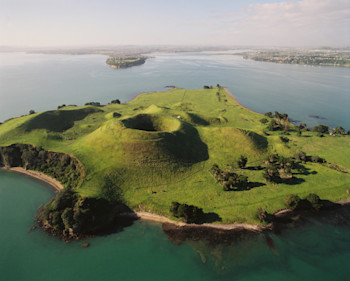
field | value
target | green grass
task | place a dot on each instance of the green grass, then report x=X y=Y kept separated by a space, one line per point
x=162 y=144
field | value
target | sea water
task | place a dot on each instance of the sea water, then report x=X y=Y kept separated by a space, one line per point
x=142 y=252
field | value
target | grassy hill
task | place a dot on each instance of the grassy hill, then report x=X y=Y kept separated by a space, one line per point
x=159 y=148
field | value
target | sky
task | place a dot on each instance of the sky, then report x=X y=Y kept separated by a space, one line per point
x=49 y=23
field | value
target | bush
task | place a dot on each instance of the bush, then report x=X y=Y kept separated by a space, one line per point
x=292 y=201
x=316 y=159
x=116 y=101
x=300 y=156
x=242 y=161
x=67 y=218
x=315 y=201
x=268 y=114
x=264 y=120
x=188 y=213
x=320 y=129
x=284 y=139
x=263 y=216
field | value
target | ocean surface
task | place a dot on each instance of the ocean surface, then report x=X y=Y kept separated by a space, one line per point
x=142 y=252
x=316 y=251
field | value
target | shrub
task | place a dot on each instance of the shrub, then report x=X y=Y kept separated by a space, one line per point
x=339 y=131
x=321 y=129
x=31 y=111
x=242 y=161
x=316 y=159
x=284 y=139
x=116 y=101
x=300 y=156
x=264 y=120
x=263 y=216
x=292 y=201
x=67 y=217
x=188 y=213
x=268 y=114
x=314 y=200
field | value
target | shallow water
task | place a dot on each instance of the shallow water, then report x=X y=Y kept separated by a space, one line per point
x=142 y=252
x=42 y=82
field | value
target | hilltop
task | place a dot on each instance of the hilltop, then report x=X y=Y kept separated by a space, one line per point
x=161 y=148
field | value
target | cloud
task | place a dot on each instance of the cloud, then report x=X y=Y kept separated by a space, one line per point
x=307 y=22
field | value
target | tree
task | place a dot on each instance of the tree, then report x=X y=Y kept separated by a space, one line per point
x=116 y=101
x=31 y=111
x=303 y=126
x=268 y=114
x=242 y=161
x=300 y=156
x=273 y=125
x=292 y=201
x=321 y=129
x=340 y=131
x=264 y=120
x=315 y=201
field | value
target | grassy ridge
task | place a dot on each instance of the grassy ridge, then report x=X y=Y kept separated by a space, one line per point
x=166 y=156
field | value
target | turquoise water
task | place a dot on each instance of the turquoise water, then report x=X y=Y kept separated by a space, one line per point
x=42 y=82
x=142 y=252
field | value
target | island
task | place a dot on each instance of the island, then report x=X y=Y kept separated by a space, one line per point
x=187 y=158
x=321 y=57
x=125 y=62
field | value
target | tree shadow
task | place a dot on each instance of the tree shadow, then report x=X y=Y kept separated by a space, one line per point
x=247 y=186
x=254 y=168
x=292 y=181
x=302 y=170
x=211 y=217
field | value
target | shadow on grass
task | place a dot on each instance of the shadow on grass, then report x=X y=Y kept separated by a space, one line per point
x=211 y=217
x=292 y=181
x=254 y=168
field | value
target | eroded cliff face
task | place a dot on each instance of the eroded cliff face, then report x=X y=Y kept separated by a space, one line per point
x=61 y=166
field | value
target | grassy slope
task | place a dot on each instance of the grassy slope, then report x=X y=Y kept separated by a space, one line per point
x=214 y=128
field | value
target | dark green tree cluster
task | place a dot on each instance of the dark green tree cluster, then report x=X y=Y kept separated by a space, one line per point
x=63 y=167
x=279 y=121
x=242 y=162
x=71 y=214
x=229 y=180
x=339 y=131
x=188 y=213
x=301 y=157
x=321 y=129
x=278 y=168
x=312 y=201
x=116 y=101
x=263 y=216
x=93 y=103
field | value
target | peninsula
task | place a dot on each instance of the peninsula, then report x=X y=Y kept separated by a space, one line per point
x=323 y=57
x=194 y=156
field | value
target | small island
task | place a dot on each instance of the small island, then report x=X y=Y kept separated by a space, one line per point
x=125 y=62
x=184 y=157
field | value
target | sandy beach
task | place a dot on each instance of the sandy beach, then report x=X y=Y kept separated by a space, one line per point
x=38 y=175
x=162 y=219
